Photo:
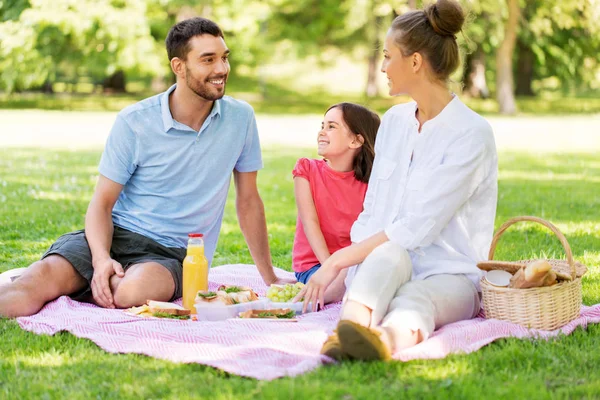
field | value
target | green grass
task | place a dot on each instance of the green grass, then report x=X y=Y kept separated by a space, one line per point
x=45 y=193
x=279 y=99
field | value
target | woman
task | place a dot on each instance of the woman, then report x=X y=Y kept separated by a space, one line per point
x=429 y=211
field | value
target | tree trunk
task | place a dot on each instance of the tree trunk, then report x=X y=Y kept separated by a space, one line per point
x=372 y=71
x=412 y=4
x=115 y=82
x=525 y=61
x=47 y=87
x=262 y=73
x=504 y=58
x=474 y=75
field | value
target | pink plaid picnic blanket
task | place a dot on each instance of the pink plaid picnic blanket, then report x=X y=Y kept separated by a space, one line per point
x=261 y=349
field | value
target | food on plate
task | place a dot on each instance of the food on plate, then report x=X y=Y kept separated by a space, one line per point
x=273 y=313
x=227 y=295
x=160 y=309
x=284 y=293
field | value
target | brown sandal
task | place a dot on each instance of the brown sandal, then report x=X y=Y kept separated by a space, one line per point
x=333 y=349
x=362 y=343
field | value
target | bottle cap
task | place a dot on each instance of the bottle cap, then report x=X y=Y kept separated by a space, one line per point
x=195 y=235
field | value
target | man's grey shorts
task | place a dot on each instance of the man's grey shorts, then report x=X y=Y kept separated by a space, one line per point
x=127 y=248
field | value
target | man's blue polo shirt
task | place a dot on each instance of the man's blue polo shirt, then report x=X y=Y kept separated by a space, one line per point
x=176 y=179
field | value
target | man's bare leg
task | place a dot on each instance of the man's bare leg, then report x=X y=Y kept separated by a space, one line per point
x=146 y=281
x=43 y=281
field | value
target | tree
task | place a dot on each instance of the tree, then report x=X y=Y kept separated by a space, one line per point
x=504 y=61
x=70 y=39
x=560 y=38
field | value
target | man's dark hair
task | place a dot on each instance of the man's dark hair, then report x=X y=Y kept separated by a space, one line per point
x=178 y=39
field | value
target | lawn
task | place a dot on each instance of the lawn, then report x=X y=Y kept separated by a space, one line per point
x=45 y=193
x=279 y=98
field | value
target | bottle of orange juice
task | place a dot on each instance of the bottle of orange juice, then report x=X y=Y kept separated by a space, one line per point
x=195 y=270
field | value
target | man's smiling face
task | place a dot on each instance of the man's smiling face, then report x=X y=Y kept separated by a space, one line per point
x=207 y=66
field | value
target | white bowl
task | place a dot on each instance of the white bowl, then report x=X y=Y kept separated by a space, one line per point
x=218 y=312
x=498 y=277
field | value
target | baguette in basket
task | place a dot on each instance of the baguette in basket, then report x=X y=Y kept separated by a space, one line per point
x=539 y=307
x=538 y=273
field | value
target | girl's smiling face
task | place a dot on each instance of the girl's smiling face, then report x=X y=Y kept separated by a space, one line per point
x=334 y=138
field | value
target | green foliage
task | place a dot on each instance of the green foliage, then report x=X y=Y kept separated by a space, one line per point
x=12 y=9
x=565 y=37
x=70 y=41
x=67 y=39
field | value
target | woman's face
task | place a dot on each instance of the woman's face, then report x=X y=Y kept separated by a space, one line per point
x=396 y=67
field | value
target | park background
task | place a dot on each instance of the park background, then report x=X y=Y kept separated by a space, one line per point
x=67 y=66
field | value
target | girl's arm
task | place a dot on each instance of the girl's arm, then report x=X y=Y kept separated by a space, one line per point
x=309 y=218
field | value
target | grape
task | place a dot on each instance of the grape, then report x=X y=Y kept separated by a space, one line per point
x=285 y=293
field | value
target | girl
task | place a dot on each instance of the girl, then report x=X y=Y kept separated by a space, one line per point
x=330 y=192
x=429 y=211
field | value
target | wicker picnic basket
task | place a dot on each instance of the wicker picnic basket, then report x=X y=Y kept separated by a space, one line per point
x=546 y=308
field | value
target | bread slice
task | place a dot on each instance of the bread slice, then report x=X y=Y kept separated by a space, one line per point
x=167 y=308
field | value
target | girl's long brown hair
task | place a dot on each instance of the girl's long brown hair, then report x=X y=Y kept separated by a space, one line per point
x=361 y=121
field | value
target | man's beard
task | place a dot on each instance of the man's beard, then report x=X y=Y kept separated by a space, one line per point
x=203 y=90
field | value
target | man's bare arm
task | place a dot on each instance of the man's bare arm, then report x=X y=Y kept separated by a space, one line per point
x=99 y=232
x=251 y=216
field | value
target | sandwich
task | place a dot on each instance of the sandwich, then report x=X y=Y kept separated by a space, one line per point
x=273 y=313
x=160 y=309
x=226 y=295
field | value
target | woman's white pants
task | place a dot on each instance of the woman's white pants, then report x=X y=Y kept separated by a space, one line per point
x=383 y=283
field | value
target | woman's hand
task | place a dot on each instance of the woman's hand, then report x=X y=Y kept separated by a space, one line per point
x=314 y=290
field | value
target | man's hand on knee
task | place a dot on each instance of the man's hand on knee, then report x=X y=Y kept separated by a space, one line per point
x=103 y=270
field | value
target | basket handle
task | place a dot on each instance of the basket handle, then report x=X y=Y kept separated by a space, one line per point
x=561 y=237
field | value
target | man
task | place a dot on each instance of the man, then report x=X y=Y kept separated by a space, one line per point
x=164 y=173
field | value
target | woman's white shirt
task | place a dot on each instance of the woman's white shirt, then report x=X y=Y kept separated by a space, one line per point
x=434 y=193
